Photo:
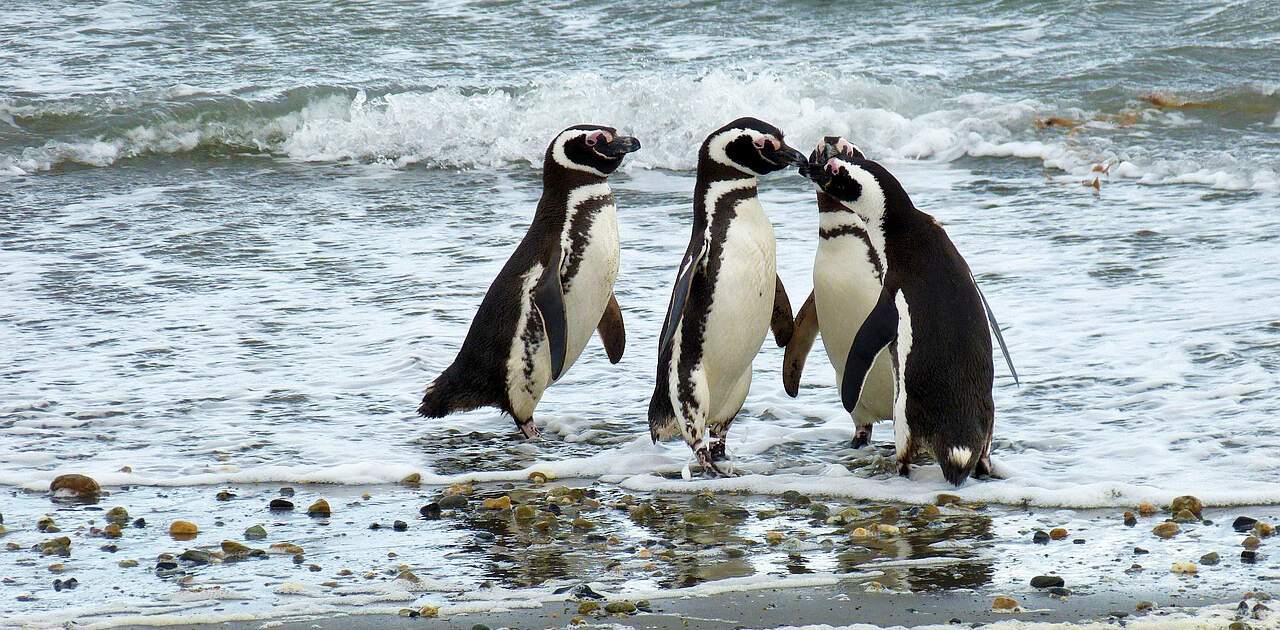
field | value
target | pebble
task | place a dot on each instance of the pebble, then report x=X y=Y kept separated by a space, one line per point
x=1249 y=557
x=586 y=608
x=280 y=505
x=582 y=523
x=1166 y=530
x=1047 y=581
x=319 y=508
x=1188 y=503
x=622 y=607
x=947 y=499
x=127 y=564
x=1137 y=551
x=429 y=610
x=79 y=485
x=774 y=537
x=139 y=522
x=930 y=511
x=1243 y=523
x=112 y=530
x=256 y=532
x=480 y=626
x=525 y=512
x=224 y=495
x=1130 y=519
x=286 y=491
x=194 y=556
x=233 y=548
x=1041 y=537
x=540 y=477
x=412 y=479
x=1057 y=533
x=1264 y=530
x=1143 y=606
x=1187 y=568
x=1185 y=516
x=888 y=530
x=1060 y=592
x=56 y=546
x=453 y=502
x=57 y=567
x=117 y=515
x=1210 y=559
x=286 y=548
x=1251 y=542
x=45 y=523
x=400 y=526
x=1147 y=509
x=1004 y=603
x=183 y=529
x=501 y=503
x=430 y=511
x=860 y=532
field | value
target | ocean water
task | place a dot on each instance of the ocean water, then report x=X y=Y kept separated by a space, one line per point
x=235 y=246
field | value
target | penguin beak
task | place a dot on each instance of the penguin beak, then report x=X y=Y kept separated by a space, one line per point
x=815 y=167
x=789 y=156
x=619 y=147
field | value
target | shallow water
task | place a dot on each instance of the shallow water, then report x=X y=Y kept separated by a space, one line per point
x=234 y=251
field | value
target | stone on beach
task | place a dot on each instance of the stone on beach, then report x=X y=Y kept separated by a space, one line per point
x=181 y=529
x=1166 y=530
x=319 y=508
x=1188 y=503
x=1187 y=568
x=501 y=503
x=280 y=505
x=1047 y=581
x=1057 y=533
x=1147 y=509
x=1129 y=519
x=256 y=532
x=73 y=484
x=1004 y=602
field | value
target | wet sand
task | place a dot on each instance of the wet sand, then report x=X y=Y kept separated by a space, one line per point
x=716 y=560
x=835 y=606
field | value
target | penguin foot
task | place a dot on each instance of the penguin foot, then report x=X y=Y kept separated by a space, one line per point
x=529 y=430
x=718 y=452
x=984 y=470
x=862 y=438
x=904 y=469
x=709 y=467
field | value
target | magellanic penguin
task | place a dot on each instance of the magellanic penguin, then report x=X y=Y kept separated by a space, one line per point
x=553 y=292
x=727 y=293
x=931 y=316
x=847 y=279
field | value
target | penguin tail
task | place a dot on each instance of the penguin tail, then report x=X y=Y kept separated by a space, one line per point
x=449 y=394
x=662 y=418
x=957 y=461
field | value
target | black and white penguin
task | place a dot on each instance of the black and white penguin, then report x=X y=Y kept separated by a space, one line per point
x=553 y=292
x=930 y=315
x=727 y=293
x=847 y=279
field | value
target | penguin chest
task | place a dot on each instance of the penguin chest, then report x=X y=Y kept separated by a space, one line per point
x=742 y=298
x=846 y=288
x=588 y=271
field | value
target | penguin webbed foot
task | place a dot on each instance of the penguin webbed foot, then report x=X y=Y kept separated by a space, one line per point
x=862 y=437
x=529 y=429
x=708 y=463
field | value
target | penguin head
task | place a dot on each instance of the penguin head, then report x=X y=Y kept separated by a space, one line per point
x=843 y=173
x=593 y=149
x=751 y=146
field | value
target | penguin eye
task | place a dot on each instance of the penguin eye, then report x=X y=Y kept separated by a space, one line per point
x=596 y=137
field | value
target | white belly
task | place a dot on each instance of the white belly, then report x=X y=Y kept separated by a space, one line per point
x=845 y=289
x=741 y=309
x=588 y=294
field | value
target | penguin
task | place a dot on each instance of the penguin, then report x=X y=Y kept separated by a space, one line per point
x=931 y=316
x=727 y=293
x=555 y=289
x=847 y=278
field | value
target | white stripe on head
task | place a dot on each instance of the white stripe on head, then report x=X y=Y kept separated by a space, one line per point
x=716 y=145
x=558 y=153
x=870 y=204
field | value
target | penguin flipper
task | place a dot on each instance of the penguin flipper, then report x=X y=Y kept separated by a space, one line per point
x=880 y=327
x=548 y=296
x=995 y=328
x=612 y=333
x=806 y=330
x=782 y=323
x=680 y=294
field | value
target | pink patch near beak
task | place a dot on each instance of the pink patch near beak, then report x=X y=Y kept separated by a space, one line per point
x=833 y=166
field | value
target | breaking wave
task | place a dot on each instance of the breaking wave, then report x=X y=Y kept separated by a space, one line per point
x=450 y=127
